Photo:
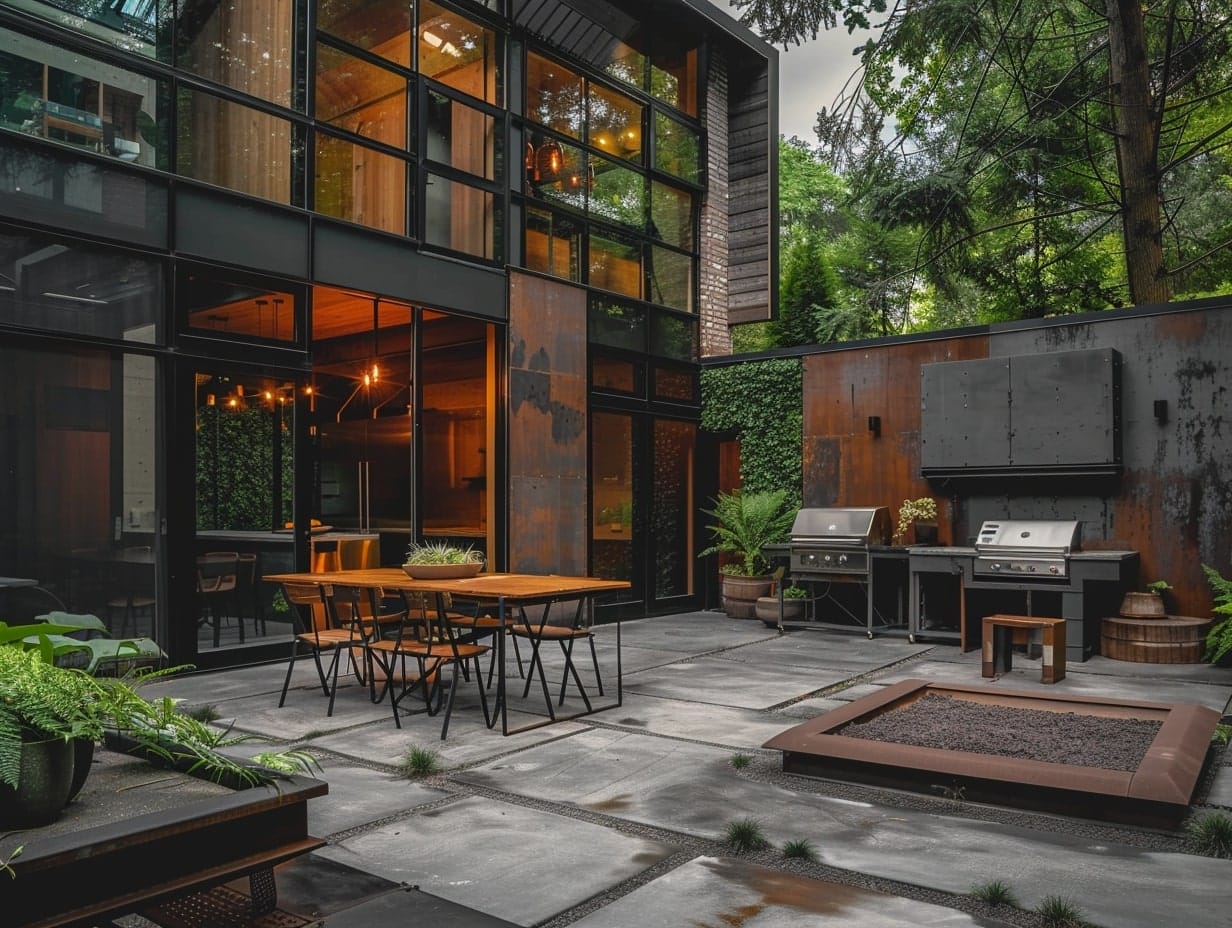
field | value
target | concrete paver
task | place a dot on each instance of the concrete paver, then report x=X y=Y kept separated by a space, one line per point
x=587 y=813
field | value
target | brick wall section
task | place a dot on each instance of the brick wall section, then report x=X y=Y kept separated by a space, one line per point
x=712 y=308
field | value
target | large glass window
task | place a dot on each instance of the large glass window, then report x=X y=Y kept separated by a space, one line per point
x=673 y=71
x=614 y=123
x=672 y=217
x=234 y=146
x=360 y=184
x=553 y=244
x=361 y=97
x=229 y=306
x=617 y=325
x=611 y=477
x=615 y=263
x=243 y=45
x=677 y=148
x=555 y=96
x=673 y=336
x=618 y=194
x=671 y=278
x=460 y=217
x=138 y=26
x=49 y=92
x=557 y=172
x=78 y=446
x=382 y=27
x=461 y=136
x=458 y=52
x=59 y=285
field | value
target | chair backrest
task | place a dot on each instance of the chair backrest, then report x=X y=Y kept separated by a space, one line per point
x=310 y=598
x=217 y=571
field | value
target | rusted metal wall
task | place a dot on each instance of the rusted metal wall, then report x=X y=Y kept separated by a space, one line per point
x=1172 y=502
x=547 y=426
x=846 y=463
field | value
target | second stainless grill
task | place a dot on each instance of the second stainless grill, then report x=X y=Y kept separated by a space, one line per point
x=1026 y=550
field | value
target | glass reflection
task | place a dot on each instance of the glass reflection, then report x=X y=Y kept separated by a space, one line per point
x=137 y=26
x=671 y=278
x=553 y=244
x=242 y=45
x=671 y=215
x=360 y=184
x=611 y=455
x=460 y=217
x=461 y=136
x=382 y=27
x=616 y=263
x=458 y=52
x=614 y=123
x=234 y=146
x=677 y=149
x=361 y=97
x=618 y=194
x=554 y=96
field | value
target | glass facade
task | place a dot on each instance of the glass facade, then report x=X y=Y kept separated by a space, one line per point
x=217 y=389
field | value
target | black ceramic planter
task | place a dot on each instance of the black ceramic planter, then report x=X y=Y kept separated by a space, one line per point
x=43 y=785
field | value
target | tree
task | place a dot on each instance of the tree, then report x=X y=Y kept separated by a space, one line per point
x=808 y=289
x=1031 y=133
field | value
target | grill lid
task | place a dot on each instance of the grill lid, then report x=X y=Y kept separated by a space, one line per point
x=842 y=526
x=1044 y=536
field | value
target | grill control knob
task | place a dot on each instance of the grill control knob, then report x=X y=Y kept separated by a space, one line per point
x=1031 y=568
x=996 y=566
x=1053 y=569
x=842 y=559
x=826 y=559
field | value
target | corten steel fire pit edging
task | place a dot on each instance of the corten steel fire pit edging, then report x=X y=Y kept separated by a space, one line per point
x=1156 y=794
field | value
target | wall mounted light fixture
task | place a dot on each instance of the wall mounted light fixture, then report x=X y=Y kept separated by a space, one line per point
x=1161 y=411
x=874 y=425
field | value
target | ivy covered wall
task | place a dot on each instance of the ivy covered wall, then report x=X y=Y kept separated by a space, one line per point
x=762 y=402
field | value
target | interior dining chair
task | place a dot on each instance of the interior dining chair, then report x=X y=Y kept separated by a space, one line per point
x=136 y=600
x=217 y=582
x=426 y=641
x=248 y=594
x=564 y=635
x=315 y=625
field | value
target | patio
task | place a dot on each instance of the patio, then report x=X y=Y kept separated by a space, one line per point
x=619 y=818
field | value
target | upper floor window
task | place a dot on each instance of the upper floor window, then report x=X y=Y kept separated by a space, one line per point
x=361 y=97
x=458 y=52
x=139 y=26
x=382 y=27
x=242 y=45
x=673 y=72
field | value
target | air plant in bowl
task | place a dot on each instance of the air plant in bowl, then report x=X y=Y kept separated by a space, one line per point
x=435 y=560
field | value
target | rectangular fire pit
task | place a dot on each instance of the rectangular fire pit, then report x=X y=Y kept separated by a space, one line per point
x=1156 y=794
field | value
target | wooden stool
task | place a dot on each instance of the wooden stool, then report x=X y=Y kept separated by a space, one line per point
x=997 y=640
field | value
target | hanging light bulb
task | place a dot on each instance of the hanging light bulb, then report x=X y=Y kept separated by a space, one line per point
x=549 y=161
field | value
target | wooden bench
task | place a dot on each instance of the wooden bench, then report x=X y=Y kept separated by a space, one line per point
x=997 y=642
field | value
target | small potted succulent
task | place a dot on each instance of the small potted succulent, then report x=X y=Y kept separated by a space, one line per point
x=795 y=604
x=436 y=560
x=1147 y=604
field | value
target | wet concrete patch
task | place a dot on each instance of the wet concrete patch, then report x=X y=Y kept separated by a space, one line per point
x=727 y=683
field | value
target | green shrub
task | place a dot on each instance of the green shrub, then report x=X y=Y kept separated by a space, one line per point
x=800 y=849
x=994 y=892
x=1059 y=912
x=745 y=835
x=740 y=761
x=419 y=762
x=1219 y=638
x=1210 y=834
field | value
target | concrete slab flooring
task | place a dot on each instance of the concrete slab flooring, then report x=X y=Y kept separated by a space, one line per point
x=622 y=817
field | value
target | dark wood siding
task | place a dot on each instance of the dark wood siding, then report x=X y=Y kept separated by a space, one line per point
x=752 y=169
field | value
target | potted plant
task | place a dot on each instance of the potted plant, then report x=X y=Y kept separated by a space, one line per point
x=795 y=602
x=49 y=714
x=1219 y=637
x=1147 y=604
x=746 y=523
x=437 y=560
x=922 y=515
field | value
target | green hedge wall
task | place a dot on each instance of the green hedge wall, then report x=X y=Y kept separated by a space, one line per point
x=763 y=402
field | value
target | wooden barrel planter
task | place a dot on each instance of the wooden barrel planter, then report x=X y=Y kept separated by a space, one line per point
x=738 y=595
x=1169 y=639
x=1143 y=606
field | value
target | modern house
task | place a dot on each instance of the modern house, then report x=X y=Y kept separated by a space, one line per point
x=306 y=280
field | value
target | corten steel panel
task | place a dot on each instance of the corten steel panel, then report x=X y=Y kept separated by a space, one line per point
x=846 y=464
x=1173 y=500
x=1065 y=409
x=965 y=415
x=547 y=426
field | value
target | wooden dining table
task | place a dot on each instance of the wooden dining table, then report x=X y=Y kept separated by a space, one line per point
x=510 y=592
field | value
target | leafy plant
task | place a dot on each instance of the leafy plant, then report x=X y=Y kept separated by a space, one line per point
x=994 y=892
x=745 y=835
x=1059 y=912
x=800 y=849
x=740 y=761
x=419 y=762
x=923 y=509
x=437 y=552
x=1222 y=734
x=1158 y=586
x=1210 y=834
x=1219 y=638
x=795 y=592
x=747 y=522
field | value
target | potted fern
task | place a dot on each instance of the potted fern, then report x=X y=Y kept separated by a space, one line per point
x=745 y=524
x=1219 y=638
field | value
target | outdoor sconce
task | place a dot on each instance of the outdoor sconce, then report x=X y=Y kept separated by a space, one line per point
x=1161 y=411
x=874 y=425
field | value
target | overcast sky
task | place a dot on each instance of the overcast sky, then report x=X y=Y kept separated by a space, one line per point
x=810 y=76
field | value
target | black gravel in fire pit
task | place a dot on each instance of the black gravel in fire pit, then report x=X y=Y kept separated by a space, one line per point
x=937 y=721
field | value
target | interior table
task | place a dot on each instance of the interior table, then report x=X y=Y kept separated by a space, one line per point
x=509 y=592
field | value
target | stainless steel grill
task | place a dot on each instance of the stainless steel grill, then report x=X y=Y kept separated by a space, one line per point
x=828 y=542
x=1026 y=550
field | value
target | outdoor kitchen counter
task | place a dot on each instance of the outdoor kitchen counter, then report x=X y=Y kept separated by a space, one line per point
x=1092 y=589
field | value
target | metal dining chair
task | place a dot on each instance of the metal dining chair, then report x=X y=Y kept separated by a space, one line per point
x=565 y=635
x=217 y=582
x=317 y=626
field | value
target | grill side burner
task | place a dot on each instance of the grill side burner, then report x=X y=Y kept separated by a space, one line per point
x=826 y=542
x=1026 y=550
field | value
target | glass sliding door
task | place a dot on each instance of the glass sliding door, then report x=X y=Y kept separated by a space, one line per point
x=612 y=477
